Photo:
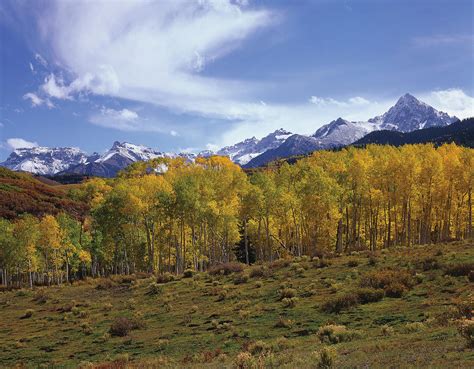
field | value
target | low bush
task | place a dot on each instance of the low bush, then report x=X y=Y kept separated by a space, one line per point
x=154 y=289
x=165 y=278
x=188 y=273
x=341 y=302
x=226 y=268
x=28 y=314
x=367 y=295
x=121 y=326
x=40 y=297
x=279 y=263
x=241 y=278
x=394 y=282
x=413 y=327
x=326 y=358
x=429 y=263
x=466 y=330
x=257 y=272
x=386 y=330
x=352 y=263
x=283 y=323
x=459 y=269
x=333 y=333
x=259 y=284
x=289 y=302
x=258 y=347
x=281 y=344
x=244 y=360
x=105 y=284
x=287 y=293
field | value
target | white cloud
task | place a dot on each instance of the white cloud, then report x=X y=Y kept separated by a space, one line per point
x=453 y=101
x=32 y=68
x=174 y=133
x=20 y=143
x=150 y=51
x=41 y=60
x=353 y=101
x=125 y=119
x=37 y=101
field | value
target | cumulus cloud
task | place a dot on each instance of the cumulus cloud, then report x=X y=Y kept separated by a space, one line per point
x=20 y=143
x=453 y=101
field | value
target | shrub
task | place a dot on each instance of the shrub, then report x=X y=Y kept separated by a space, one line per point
x=326 y=358
x=281 y=343
x=154 y=289
x=28 y=314
x=127 y=279
x=429 y=263
x=386 y=330
x=258 y=347
x=121 y=326
x=188 y=273
x=165 y=278
x=40 y=297
x=394 y=282
x=352 y=263
x=86 y=328
x=413 y=327
x=341 y=302
x=333 y=333
x=222 y=295
x=241 y=278
x=470 y=276
x=366 y=295
x=466 y=330
x=279 y=263
x=395 y=290
x=257 y=272
x=226 y=268
x=105 y=284
x=283 y=323
x=259 y=284
x=244 y=360
x=289 y=302
x=460 y=269
x=372 y=260
x=287 y=293
x=320 y=263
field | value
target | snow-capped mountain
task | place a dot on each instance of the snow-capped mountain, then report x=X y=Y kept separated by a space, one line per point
x=409 y=114
x=44 y=160
x=120 y=156
x=244 y=151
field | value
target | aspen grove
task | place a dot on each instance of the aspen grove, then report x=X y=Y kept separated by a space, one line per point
x=169 y=215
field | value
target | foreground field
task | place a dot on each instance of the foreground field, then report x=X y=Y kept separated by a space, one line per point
x=283 y=314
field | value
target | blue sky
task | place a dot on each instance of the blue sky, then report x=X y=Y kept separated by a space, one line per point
x=189 y=75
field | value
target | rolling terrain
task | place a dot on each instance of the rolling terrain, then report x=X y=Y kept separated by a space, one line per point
x=279 y=314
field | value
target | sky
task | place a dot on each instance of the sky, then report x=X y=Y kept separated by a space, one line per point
x=183 y=75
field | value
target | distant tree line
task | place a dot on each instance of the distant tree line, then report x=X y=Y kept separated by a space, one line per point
x=171 y=215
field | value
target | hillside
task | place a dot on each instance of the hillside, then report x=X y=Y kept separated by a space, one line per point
x=461 y=133
x=270 y=315
x=23 y=193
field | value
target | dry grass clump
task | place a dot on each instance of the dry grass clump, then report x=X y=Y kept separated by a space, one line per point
x=428 y=263
x=386 y=330
x=333 y=333
x=283 y=323
x=367 y=295
x=258 y=347
x=290 y=302
x=226 y=268
x=121 y=326
x=257 y=272
x=413 y=327
x=105 y=284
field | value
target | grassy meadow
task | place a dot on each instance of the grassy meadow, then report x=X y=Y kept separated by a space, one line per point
x=398 y=309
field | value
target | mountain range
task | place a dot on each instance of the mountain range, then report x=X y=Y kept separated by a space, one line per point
x=407 y=115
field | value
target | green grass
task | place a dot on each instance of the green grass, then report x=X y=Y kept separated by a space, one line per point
x=187 y=323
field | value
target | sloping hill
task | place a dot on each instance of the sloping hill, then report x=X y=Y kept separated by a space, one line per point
x=461 y=133
x=22 y=193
